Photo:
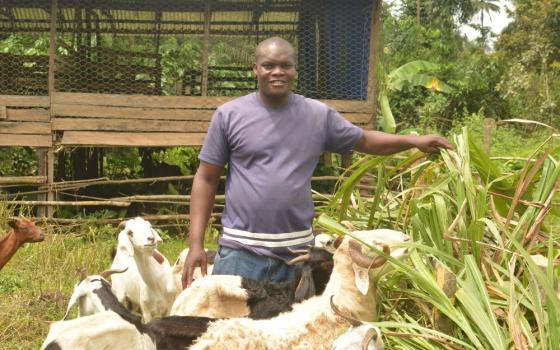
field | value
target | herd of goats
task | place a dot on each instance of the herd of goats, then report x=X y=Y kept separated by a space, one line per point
x=145 y=307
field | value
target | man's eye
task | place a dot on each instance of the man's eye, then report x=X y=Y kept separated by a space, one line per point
x=287 y=66
x=268 y=66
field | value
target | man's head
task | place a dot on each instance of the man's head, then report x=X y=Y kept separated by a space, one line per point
x=275 y=69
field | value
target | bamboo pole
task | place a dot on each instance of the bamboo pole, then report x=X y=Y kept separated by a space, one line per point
x=375 y=32
x=73 y=204
x=23 y=180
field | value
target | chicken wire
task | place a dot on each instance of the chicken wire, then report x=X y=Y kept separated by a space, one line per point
x=159 y=47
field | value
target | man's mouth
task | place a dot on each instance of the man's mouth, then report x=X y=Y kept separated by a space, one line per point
x=277 y=83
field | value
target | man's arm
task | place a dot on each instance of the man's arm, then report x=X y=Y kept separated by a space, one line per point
x=381 y=143
x=204 y=189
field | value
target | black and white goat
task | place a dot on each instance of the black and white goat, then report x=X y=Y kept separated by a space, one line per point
x=93 y=294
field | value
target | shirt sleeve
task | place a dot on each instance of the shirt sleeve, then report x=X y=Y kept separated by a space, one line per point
x=341 y=135
x=215 y=149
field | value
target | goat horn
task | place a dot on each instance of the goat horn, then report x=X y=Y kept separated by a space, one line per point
x=365 y=261
x=122 y=224
x=301 y=258
x=352 y=321
x=297 y=251
x=108 y=273
x=370 y=335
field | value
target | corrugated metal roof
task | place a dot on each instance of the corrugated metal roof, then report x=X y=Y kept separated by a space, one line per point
x=151 y=17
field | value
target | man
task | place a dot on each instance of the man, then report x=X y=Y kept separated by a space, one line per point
x=272 y=140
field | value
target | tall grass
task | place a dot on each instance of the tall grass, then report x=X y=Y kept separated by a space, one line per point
x=471 y=281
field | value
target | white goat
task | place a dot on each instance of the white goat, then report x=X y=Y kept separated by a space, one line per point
x=148 y=282
x=91 y=294
x=312 y=324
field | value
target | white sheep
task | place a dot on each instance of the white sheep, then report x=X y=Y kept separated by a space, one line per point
x=92 y=294
x=312 y=324
x=148 y=283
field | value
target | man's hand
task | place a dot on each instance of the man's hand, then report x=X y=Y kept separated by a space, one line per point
x=432 y=143
x=195 y=258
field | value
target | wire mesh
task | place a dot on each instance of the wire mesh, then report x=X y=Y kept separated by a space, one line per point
x=181 y=47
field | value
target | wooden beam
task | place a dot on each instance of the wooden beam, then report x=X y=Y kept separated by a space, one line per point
x=374 y=39
x=21 y=180
x=3 y=113
x=25 y=140
x=75 y=98
x=205 y=49
x=24 y=101
x=24 y=128
x=42 y=171
x=28 y=115
x=71 y=110
x=52 y=46
x=72 y=204
x=51 y=196
x=350 y=106
x=117 y=139
x=171 y=126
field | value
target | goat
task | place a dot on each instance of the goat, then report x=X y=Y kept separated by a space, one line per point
x=360 y=335
x=179 y=265
x=22 y=231
x=227 y=296
x=312 y=324
x=148 y=283
x=93 y=294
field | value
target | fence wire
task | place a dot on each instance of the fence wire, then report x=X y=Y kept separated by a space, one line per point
x=180 y=47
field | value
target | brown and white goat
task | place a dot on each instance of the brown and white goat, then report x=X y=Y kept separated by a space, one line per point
x=22 y=231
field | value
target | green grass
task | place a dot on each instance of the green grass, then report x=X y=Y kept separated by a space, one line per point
x=37 y=282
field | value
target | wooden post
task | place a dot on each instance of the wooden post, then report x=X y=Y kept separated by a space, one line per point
x=205 y=49
x=42 y=171
x=487 y=135
x=47 y=157
x=372 y=60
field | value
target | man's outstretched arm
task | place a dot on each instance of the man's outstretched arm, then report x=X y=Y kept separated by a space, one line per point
x=381 y=143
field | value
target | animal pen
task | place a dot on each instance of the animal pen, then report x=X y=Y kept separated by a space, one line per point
x=140 y=73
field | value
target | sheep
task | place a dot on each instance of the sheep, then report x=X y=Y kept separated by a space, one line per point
x=360 y=336
x=22 y=231
x=235 y=296
x=93 y=294
x=179 y=266
x=312 y=324
x=148 y=284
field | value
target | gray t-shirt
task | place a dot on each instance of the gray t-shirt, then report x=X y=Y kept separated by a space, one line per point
x=271 y=155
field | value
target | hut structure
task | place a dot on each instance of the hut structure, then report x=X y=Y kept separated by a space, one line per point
x=78 y=74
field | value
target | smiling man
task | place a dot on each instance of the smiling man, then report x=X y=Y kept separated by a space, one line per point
x=271 y=141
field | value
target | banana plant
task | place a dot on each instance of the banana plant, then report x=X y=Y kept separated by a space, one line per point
x=413 y=73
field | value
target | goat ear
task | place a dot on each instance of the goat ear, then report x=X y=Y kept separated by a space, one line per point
x=73 y=301
x=361 y=278
x=13 y=223
x=157 y=236
x=124 y=244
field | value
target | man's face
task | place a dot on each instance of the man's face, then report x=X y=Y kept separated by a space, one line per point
x=275 y=70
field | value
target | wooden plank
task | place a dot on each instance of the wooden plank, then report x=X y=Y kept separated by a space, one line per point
x=358 y=118
x=350 y=106
x=67 y=110
x=29 y=115
x=24 y=101
x=25 y=128
x=3 y=112
x=25 y=140
x=100 y=139
x=52 y=46
x=128 y=125
x=76 y=98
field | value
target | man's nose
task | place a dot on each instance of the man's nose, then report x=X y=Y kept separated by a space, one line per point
x=277 y=70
